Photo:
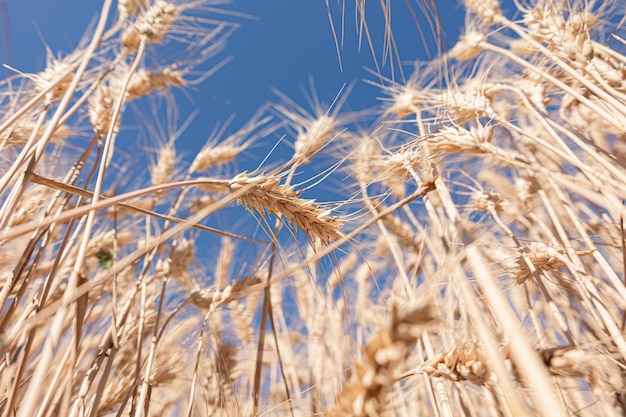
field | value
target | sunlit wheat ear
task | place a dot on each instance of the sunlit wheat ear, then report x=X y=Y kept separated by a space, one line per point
x=542 y=257
x=314 y=136
x=217 y=151
x=127 y=8
x=612 y=71
x=470 y=100
x=101 y=110
x=367 y=392
x=19 y=133
x=401 y=163
x=466 y=361
x=33 y=204
x=224 y=263
x=580 y=117
x=220 y=369
x=548 y=24
x=163 y=171
x=121 y=211
x=268 y=196
x=452 y=139
x=144 y=82
x=211 y=157
x=580 y=363
x=469 y=46
x=371 y=164
x=473 y=141
x=534 y=89
x=367 y=151
x=199 y=203
x=181 y=256
x=463 y=105
x=151 y=24
x=487 y=201
x=487 y=10
x=406 y=101
x=405 y=234
x=57 y=73
x=313 y=130
x=213 y=297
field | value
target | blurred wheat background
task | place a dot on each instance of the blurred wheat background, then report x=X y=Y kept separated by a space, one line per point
x=455 y=249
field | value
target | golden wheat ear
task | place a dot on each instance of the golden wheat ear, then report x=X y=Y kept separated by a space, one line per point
x=267 y=195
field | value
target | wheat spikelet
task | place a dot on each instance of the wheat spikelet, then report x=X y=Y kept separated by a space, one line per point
x=151 y=24
x=19 y=134
x=487 y=10
x=176 y=264
x=144 y=82
x=141 y=83
x=213 y=298
x=217 y=152
x=366 y=394
x=57 y=73
x=535 y=90
x=403 y=231
x=469 y=46
x=451 y=139
x=163 y=170
x=366 y=153
x=33 y=206
x=402 y=162
x=543 y=258
x=406 y=102
x=313 y=131
x=488 y=201
x=467 y=104
x=390 y=169
x=127 y=8
x=466 y=361
x=267 y=195
x=222 y=268
x=210 y=157
x=101 y=110
x=312 y=137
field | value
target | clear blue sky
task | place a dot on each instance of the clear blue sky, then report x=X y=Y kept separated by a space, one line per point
x=287 y=42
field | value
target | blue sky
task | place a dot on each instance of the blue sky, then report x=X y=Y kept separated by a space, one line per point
x=287 y=43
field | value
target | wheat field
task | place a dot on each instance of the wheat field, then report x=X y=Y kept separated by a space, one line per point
x=470 y=262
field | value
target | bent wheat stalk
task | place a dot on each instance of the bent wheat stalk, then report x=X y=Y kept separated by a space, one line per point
x=49 y=182
x=267 y=195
